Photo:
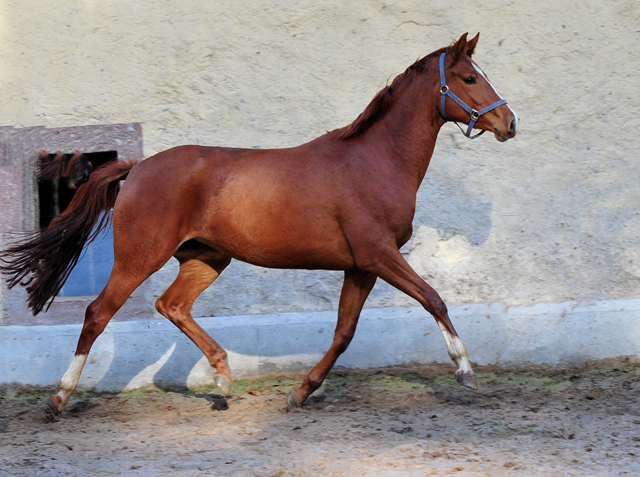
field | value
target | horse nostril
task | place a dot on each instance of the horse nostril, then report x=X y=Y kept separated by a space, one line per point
x=512 y=127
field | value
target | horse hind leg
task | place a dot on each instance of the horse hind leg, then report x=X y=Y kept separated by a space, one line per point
x=355 y=290
x=122 y=282
x=198 y=270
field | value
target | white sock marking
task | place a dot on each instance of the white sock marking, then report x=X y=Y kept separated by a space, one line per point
x=457 y=351
x=70 y=379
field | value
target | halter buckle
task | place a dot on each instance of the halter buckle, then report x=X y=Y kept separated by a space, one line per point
x=444 y=89
x=474 y=114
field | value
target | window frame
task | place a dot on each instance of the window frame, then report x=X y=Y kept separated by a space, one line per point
x=19 y=156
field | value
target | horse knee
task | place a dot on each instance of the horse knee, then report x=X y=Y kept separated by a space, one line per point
x=342 y=347
x=435 y=304
x=440 y=309
x=342 y=341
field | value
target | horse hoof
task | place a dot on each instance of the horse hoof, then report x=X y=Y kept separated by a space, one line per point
x=467 y=379
x=51 y=411
x=292 y=401
x=223 y=384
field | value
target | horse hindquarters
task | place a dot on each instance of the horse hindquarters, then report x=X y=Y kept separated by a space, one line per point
x=141 y=247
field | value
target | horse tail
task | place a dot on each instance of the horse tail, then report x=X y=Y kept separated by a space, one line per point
x=76 y=167
x=42 y=261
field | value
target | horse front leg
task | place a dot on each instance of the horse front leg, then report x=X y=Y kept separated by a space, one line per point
x=355 y=290
x=390 y=265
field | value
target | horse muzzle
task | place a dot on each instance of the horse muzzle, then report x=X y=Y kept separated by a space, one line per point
x=507 y=132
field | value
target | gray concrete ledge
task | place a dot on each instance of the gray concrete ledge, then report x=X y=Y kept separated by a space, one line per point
x=153 y=352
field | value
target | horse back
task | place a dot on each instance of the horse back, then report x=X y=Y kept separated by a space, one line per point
x=276 y=208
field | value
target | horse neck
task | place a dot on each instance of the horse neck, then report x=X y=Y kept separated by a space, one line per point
x=408 y=132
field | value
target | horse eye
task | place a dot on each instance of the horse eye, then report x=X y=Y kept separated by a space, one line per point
x=470 y=80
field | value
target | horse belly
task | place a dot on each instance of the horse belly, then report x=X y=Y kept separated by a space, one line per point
x=277 y=242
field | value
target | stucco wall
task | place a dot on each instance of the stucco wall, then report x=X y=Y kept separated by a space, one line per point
x=551 y=216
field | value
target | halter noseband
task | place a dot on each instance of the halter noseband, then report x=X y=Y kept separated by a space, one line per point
x=473 y=114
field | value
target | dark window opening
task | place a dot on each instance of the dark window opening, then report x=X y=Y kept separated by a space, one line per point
x=60 y=175
x=55 y=194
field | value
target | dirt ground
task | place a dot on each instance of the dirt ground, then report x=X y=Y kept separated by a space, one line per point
x=388 y=422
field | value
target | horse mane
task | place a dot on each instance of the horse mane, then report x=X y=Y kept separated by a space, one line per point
x=383 y=101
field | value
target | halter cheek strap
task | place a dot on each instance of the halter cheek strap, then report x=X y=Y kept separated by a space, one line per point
x=473 y=114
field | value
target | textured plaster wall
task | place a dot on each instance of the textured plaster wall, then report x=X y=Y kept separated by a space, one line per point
x=550 y=216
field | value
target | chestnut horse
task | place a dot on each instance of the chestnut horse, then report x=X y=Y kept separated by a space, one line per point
x=344 y=201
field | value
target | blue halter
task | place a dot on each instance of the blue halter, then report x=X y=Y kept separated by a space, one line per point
x=473 y=114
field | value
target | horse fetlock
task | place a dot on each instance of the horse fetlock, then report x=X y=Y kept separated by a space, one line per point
x=70 y=380
x=458 y=354
x=53 y=408
x=293 y=400
x=223 y=383
x=466 y=379
x=464 y=373
x=56 y=403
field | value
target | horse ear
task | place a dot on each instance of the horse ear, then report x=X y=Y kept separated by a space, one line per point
x=471 y=44
x=460 y=46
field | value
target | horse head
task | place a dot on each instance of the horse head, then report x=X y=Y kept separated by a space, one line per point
x=467 y=96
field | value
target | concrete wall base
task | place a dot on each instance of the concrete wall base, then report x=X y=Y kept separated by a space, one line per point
x=146 y=353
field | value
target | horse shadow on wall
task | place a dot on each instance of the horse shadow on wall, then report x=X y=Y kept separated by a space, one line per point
x=445 y=204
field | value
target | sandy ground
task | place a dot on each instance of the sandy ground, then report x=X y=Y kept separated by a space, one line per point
x=389 y=422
